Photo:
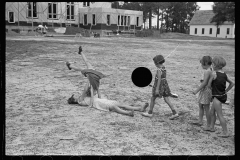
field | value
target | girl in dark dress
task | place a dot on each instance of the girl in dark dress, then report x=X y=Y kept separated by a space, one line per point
x=160 y=88
x=219 y=94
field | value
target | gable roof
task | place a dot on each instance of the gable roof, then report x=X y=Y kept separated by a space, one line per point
x=203 y=17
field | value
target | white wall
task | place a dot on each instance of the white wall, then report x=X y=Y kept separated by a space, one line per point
x=223 y=30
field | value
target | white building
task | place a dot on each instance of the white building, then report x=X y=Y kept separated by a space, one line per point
x=201 y=25
x=87 y=15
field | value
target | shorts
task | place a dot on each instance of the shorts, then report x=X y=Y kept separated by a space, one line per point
x=222 y=98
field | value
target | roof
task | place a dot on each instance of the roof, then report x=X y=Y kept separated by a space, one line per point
x=203 y=17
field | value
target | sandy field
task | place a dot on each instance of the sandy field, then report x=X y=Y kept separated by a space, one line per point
x=39 y=121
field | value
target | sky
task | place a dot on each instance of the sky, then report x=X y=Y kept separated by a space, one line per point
x=203 y=6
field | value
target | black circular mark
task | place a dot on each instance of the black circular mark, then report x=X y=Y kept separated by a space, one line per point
x=141 y=77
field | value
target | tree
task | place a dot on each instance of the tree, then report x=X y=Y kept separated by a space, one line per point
x=159 y=6
x=224 y=11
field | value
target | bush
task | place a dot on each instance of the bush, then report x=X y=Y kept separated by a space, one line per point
x=144 y=33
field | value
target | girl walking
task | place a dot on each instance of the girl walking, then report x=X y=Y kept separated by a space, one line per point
x=160 y=88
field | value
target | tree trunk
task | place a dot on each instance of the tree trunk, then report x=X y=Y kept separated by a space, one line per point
x=216 y=31
x=158 y=19
x=150 y=19
x=167 y=23
x=161 y=29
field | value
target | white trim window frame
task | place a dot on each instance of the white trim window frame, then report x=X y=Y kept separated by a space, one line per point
x=52 y=10
x=128 y=23
x=119 y=20
x=85 y=21
x=228 y=31
x=86 y=4
x=125 y=20
x=70 y=11
x=29 y=10
x=94 y=20
x=137 y=21
x=11 y=17
x=108 y=19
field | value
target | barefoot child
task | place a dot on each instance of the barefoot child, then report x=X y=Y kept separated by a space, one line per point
x=160 y=88
x=205 y=92
x=218 y=81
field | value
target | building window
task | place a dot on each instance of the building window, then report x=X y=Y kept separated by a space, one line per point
x=52 y=10
x=108 y=19
x=11 y=18
x=137 y=21
x=30 y=9
x=70 y=10
x=86 y=4
x=210 y=31
x=94 y=19
x=121 y=20
x=228 y=30
x=195 y=30
x=85 y=19
x=128 y=20
x=125 y=20
x=218 y=31
x=202 y=30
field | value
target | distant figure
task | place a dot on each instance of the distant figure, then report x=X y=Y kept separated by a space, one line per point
x=41 y=29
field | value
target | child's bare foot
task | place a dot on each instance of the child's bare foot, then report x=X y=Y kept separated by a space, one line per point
x=143 y=109
x=68 y=65
x=145 y=114
x=80 y=50
x=209 y=129
x=131 y=113
x=197 y=123
x=174 y=116
x=224 y=135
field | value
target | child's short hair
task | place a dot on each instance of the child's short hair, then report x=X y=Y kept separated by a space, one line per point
x=219 y=62
x=206 y=60
x=158 y=59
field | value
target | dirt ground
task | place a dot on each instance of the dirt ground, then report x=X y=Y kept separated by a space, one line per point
x=39 y=121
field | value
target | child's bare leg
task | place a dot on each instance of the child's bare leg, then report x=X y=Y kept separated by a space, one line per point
x=130 y=107
x=218 y=106
x=206 y=108
x=212 y=118
x=166 y=99
x=118 y=110
x=153 y=98
x=89 y=66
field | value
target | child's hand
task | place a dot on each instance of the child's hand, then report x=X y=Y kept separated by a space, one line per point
x=80 y=50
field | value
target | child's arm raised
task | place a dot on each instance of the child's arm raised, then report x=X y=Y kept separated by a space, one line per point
x=159 y=73
x=231 y=84
x=204 y=83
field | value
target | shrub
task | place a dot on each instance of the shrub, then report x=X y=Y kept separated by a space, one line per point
x=144 y=33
